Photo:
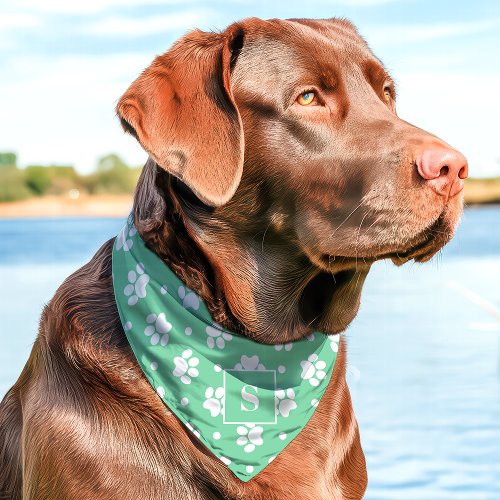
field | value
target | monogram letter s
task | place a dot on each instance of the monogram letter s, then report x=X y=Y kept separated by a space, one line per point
x=251 y=398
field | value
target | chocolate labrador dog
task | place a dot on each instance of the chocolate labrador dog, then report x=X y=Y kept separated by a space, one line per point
x=279 y=172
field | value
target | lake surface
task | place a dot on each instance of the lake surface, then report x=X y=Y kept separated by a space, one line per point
x=424 y=352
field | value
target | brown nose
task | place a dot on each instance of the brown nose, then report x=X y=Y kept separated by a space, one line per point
x=443 y=168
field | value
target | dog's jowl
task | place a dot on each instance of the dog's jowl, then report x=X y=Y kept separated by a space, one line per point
x=199 y=354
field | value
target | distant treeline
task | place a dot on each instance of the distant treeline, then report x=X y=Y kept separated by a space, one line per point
x=112 y=175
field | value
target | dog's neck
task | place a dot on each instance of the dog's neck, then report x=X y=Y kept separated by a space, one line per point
x=251 y=286
x=158 y=219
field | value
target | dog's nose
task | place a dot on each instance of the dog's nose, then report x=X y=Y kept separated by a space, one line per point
x=443 y=168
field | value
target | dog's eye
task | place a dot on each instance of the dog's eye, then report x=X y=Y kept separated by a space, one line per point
x=306 y=98
x=387 y=94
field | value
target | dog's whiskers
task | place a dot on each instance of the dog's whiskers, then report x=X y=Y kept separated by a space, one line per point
x=357 y=237
x=357 y=281
x=436 y=231
x=343 y=222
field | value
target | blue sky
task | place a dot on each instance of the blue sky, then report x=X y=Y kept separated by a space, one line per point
x=66 y=62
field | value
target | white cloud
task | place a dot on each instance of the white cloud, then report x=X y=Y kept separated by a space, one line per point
x=15 y=20
x=388 y=34
x=14 y=25
x=148 y=26
x=85 y=6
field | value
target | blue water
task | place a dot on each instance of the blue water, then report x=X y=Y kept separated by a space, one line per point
x=424 y=354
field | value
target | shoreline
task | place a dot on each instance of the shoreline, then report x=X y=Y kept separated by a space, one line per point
x=63 y=206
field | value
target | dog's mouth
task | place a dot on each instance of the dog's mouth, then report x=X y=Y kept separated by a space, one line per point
x=424 y=246
x=420 y=248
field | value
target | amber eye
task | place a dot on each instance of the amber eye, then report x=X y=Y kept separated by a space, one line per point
x=306 y=98
x=387 y=94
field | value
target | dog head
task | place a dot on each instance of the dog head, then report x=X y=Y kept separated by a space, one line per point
x=293 y=171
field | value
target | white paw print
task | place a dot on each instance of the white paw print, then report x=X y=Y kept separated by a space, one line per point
x=217 y=336
x=123 y=239
x=189 y=299
x=334 y=341
x=249 y=363
x=214 y=401
x=250 y=436
x=157 y=326
x=137 y=281
x=285 y=402
x=185 y=366
x=313 y=370
x=288 y=346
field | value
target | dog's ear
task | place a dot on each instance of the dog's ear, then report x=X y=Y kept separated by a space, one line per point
x=182 y=112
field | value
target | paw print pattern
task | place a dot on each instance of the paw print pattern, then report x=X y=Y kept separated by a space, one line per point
x=136 y=288
x=313 y=369
x=217 y=336
x=214 y=401
x=185 y=366
x=288 y=346
x=249 y=363
x=158 y=328
x=123 y=239
x=189 y=298
x=285 y=402
x=250 y=436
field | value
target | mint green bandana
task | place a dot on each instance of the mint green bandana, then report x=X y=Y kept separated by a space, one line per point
x=245 y=401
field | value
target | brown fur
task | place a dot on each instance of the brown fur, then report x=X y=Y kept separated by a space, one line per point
x=258 y=205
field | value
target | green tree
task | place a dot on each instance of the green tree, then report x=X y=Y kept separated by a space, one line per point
x=37 y=179
x=63 y=178
x=113 y=175
x=8 y=159
x=12 y=184
x=111 y=162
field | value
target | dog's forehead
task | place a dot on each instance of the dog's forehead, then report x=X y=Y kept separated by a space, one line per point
x=338 y=33
x=276 y=51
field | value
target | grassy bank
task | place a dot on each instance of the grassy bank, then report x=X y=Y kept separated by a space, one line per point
x=482 y=191
x=98 y=205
